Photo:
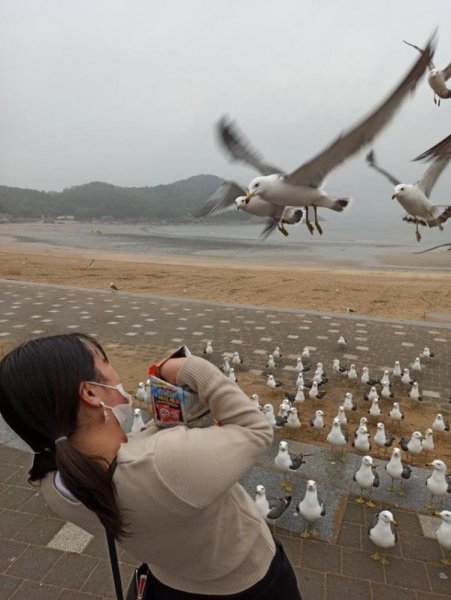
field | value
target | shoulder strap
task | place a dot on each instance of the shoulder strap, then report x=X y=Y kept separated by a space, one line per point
x=114 y=565
x=112 y=550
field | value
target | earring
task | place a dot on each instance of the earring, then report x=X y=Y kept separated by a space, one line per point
x=106 y=416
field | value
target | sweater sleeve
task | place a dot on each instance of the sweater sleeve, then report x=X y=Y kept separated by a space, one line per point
x=200 y=464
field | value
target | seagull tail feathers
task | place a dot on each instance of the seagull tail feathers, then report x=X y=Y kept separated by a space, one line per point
x=341 y=204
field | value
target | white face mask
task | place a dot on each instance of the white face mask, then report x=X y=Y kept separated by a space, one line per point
x=122 y=412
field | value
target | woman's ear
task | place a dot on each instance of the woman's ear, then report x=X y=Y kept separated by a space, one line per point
x=88 y=395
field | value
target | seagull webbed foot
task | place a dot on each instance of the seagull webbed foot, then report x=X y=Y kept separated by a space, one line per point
x=360 y=500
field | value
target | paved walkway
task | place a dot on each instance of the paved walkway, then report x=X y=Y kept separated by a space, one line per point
x=44 y=557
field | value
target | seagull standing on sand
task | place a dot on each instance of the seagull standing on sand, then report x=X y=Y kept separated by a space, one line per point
x=317 y=422
x=397 y=371
x=383 y=439
x=300 y=367
x=341 y=342
x=300 y=396
x=341 y=416
x=236 y=359
x=275 y=422
x=138 y=422
x=348 y=403
x=272 y=383
x=225 y=367
x=412 y=445
x=428 y=441
x=375 y=409
x=113 y=286
x=232 y=375
x=336 y=438
x=304 y=186
x=311 y=508
x=405 y=378
x=382 y=532
x=288 y=462
x=371 y=395
x=337 y=368
x=305 y=355
x=443 y=536
x=362 y=440
x=91 y=264
x=414 y=393
x=415 y=198
x=427 y=353
x=208 y=349
x=438 y=483
x=271 y=364
x=314 y=393
x=386 y=391
x=397 y=470
x=352 y=373
x=416 y=365
x=439 y=425
x=366 y=478
x=396 y=414
x=293 y=421
x=271 y=508
x=276 y=353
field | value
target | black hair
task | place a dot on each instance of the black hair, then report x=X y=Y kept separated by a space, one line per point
x=39 y=399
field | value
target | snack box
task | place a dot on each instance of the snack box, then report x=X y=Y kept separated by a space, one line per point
x=173 y=405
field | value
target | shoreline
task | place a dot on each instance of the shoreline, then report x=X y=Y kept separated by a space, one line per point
x=380 y=292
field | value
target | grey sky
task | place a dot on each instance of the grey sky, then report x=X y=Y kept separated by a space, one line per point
x=128 y=91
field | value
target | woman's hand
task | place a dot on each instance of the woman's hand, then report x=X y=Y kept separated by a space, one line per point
x=170 y=369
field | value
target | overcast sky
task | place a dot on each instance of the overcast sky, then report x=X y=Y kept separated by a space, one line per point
x=129 y=91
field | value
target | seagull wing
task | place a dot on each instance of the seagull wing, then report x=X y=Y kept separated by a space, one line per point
x=270 y=227
x=373 y=522
x=443 y=148
x=277 y=507
x=421 y=51
x=432 y=173
x=371 y=160
x=222 y=199
x=376 y=479
x=240 y=150
x=446 y=72
x=394 y=531
x=313 y=172
x=297 y=460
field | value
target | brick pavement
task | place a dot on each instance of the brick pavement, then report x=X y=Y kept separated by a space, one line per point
x=34 y=564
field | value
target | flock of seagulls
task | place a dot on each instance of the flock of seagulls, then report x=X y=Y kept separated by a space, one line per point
x=394 y=474
x=287 y=198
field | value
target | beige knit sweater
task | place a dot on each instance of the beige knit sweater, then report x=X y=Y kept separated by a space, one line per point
x=189 y=519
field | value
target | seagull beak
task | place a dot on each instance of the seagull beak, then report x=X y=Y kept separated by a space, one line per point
x=394 y=522
x=394 y=195
x=249 y=197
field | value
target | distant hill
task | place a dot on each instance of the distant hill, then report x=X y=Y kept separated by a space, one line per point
x=175 y=201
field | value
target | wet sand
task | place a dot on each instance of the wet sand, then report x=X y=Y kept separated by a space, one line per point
x=409 y=287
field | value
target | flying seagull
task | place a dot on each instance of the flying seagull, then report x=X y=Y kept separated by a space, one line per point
x=414 y=198
x=436 y=78
x=302 y=187
x=231 y=195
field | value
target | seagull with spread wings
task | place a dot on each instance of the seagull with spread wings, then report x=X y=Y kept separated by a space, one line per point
x=303 y=186
x=436 y=78
x=414 y=198
x=231 y=195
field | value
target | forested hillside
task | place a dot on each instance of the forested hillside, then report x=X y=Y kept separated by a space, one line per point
x=175 y=201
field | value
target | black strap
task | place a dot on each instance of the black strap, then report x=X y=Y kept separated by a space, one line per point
x=114 y=565
x=113 y=550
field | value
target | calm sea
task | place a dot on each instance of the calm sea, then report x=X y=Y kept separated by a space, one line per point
x=368 y=242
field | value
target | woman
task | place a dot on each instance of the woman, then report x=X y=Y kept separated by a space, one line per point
x=172 y=499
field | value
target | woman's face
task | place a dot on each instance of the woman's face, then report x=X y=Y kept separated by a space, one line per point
x=108 y=376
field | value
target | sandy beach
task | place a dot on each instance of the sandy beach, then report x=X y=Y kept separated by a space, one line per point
x=396 y=293
x=410 y=287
